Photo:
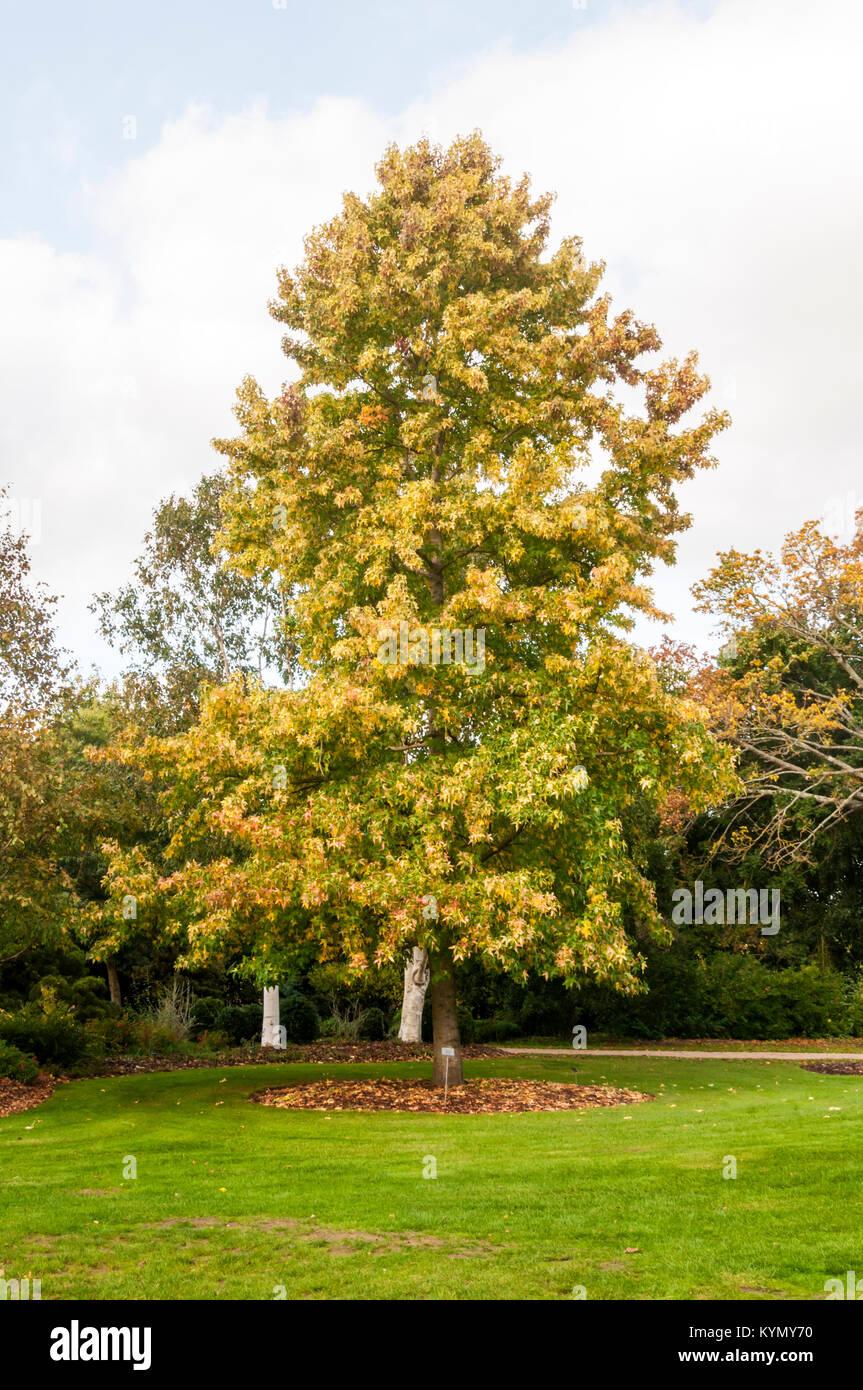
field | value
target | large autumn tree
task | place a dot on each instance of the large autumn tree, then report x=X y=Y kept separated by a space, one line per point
x=472 y=442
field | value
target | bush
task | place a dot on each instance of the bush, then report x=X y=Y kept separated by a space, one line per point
x=545 y=1015
x=16 y=1065
x=84 y=996
x=211 y=1040
x=488 y=1030
x=299 y=1017
x=173 y=1012
x=111 y=1034
x=372 y=1025
x=153 y=1039
x=241 y=1022
x=852 y=1005
x=725 y=995
x=55 y=1039
x=206 y=1013
x=344 y=1024
x=466 y=1024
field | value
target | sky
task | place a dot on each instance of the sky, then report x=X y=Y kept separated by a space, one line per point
x=159 y=161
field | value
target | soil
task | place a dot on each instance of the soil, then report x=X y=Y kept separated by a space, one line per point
x=319 y=1052
x=486 y=1096
x=835 y=1068
x=15 y=1096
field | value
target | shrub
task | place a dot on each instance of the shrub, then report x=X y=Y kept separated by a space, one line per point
x=84 y=996
x=489 y=1030
x=545 y=1015
x=725 y=995
x=372 y=1025
x=16 y=1065
x=55 y=1039
x=111 y=1034
x=300 y=1019
x=814 y=1001
x=206 y=1013
x=241 y=1022
x=466 y=1025
x=852 y=1010
x=153 y=1039
x=211 y=1040
x=173 y=1012
x=343 y=1024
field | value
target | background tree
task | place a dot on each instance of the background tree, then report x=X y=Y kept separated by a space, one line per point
x=789 y=690
x=34 y=894
x=429 y=468
x=185 y=619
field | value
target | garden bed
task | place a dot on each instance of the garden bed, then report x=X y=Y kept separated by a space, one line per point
x=486 y=1096
x=319 y=1052
x=15 y=1096
x=835 y=1068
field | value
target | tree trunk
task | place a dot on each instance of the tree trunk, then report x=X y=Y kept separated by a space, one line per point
x=271 y=1035
x=445 y=1024
x=114 y=983
x=416 y=984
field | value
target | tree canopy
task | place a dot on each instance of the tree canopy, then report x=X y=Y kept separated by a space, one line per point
x=472 y=445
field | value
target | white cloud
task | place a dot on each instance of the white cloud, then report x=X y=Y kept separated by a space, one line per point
x=712 y=163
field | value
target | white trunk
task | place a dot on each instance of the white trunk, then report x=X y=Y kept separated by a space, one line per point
x=271 y=1034
x=416 y=984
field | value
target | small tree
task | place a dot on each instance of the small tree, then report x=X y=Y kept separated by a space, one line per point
x=475 y=751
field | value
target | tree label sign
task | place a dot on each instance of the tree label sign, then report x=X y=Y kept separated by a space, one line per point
x=447 y=1052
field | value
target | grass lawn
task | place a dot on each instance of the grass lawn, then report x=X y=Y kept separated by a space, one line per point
x=232 y=1199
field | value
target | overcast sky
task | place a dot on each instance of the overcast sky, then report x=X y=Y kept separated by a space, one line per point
x=160 y=160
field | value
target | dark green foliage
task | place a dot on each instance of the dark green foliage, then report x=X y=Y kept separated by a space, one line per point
x=466 y=1025
x=372 y=1025
x=206 y=1013
x=546 y=1014
x=87 y=996
x=300 y=1018
x=55 y=1039
x=492 y=1030
x=724 y=996
x=241 y=1022
x=16 y=1065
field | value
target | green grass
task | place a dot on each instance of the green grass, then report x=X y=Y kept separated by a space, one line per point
x=524 y=1206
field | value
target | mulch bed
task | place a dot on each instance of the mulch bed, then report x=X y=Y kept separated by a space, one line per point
x=15 y=1096
x=481 y=1097
x=321 y=1052
x=835 y=1068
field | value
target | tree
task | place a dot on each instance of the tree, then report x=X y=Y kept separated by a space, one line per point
x=788 y=692
x=34 y=894
x=416 y=983
x=472 y=729
x=185 y=619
